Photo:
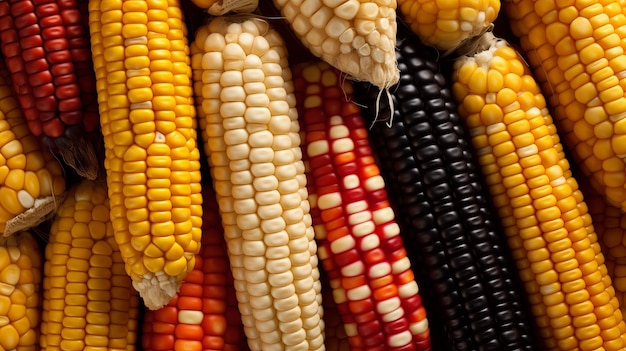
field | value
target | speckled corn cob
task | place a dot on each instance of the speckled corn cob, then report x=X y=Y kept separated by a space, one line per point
x=358 y=230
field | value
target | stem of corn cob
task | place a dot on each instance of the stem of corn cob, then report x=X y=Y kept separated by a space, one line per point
x=249 y=123
x=544 y=215
x=20 y=297
x=31 y=179
x=88 y=299
x=203 y=315
x=46 y=49
x=357 y=229
x=142 y=65
x=578 y=56
x=427 y=159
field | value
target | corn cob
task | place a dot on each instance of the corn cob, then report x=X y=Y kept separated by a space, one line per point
x=203 y=315
x=447 y=25
x=577 y=53
x=356 y=37
x=221 y=7
x=88 y=300
x=357 y=230
x=31 y=179
x=250 y=128
x=142 y=65
x=543 y=212
x=46 y=49
x=20 y=299
x=426 y=159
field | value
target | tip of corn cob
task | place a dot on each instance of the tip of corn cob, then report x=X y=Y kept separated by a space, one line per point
x=42 y=210
x=157 y=289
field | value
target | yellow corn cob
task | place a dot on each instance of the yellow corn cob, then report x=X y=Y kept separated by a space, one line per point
x=31 y=179
x=145 y=96
x=447 y=24
x=577 y=52
x=20 y=300
x=249 y=121
x=541 y=208
x=357 y=37
x=89 y=302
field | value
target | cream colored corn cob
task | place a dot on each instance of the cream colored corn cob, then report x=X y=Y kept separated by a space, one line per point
x=249 y=124
x=145 y=96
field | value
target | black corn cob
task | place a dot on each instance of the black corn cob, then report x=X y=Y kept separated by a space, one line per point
x=433 y=182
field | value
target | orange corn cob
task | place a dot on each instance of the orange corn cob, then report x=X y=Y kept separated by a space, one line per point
x=203 y=315
x=357 y=229
x=46 y=48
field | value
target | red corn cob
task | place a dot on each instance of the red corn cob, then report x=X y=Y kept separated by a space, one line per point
x=47 y=50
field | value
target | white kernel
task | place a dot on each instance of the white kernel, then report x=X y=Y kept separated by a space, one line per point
x=379 y=270
x=383 y=215
x=393 y=315
x=401 y=265
x=348 y=9
x=370 y=242
x=363 y=229
x=254 y=263
x=342 y=145
x=342 y=244
x=273 y=225
x=299 y=244
x=374 y=183
x=329 y=200
x=316 y=148
x=267 y=324
x=407 y=290
x=254 y=114
x=496 y=128
x=141 y=105
x=388 y=305
x=278 y=266
x=25 y=199
x=360 y=217
x=527 y=150
x=391 y=230
x=339 y=131
x=261 y=302
x=321 y=18
x=258 y=289
x=355 y=207
x=253 y=248
x=339 y=295
x=419 y=327
x=190 y=317
x=359 y=293
x=353 y=269
x=400 y=339
x=351 y=181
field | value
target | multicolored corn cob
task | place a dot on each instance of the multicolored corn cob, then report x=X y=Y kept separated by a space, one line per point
x=31 y=179
x=203 y=315
x=20 y=292
x=88 y=300
x=249 y=124
x=142 y=64
x=540 y=206
x=357 y=231
x=46 y=48
x=577 y=52
x=434 y=184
